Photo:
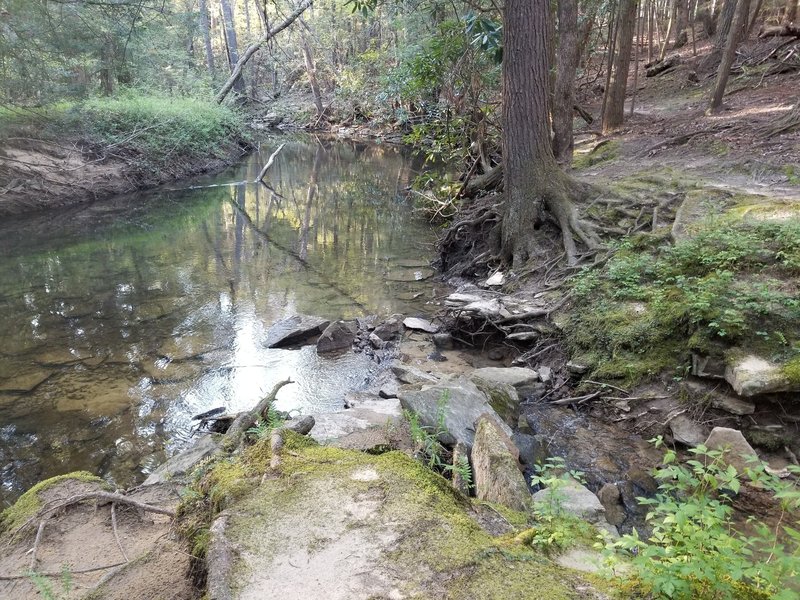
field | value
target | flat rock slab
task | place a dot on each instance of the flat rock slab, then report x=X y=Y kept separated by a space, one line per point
x=420 y=325
x=737 y=450
x=294 y=330
x=342 y=525
x=686 y=431
x=457 y=402
x=522 y=379
x=334 y=428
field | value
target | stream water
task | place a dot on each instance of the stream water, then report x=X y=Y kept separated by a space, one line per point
x=119 y=320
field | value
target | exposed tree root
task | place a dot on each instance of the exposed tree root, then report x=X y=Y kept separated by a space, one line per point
x=787 y=123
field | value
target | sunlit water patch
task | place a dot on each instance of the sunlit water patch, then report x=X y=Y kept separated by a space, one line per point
x=120 y=320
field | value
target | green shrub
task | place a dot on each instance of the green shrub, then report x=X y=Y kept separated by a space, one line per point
x=697 y=548
x=651 y=303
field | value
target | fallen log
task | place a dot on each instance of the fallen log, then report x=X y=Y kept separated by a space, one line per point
x=661 y=66
x=271 y=158
x=787 y=29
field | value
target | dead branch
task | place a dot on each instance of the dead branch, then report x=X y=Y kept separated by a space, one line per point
x=271 y=158
x=787 y=29
x=114 y=529
x=244 y=421
x=39 y=533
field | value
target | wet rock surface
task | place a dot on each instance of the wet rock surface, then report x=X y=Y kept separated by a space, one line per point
x=294 y=330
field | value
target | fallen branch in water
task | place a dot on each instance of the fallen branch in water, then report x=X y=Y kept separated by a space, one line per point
x=243 y=422
x=271 y=158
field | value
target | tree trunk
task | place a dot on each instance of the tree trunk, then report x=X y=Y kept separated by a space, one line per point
x=613 y=114
x=253 y=48
x=790 y=12
x=566 y=66
x=724 y=24
x=673 y=21
x=232 y=43
x=739 y=18
x=311 y=70
x=533 y=180
x=206 y=37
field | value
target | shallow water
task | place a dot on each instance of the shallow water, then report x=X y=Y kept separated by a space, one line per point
x=120 y=320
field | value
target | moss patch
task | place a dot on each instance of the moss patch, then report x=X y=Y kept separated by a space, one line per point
x=30 y=502
x=733 y=281
x=603 y=152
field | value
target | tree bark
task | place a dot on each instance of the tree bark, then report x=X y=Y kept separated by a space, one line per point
x=311 y=71
x=790 y=12
x=533 y=180
x=613 y=114
x=206 y=36
x=253 y=48
x=232 y=42
x=739 y=18
x=567 y=59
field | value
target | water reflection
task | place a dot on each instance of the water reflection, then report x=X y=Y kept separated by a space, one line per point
x=120 y=320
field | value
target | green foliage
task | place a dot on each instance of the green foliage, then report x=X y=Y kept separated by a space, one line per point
x=697 y=549
x=159 y=128
x=733 y=280
x=487 y=34
x=46 y=589
x=554 y=529
x=264 y=428
x=430 y=451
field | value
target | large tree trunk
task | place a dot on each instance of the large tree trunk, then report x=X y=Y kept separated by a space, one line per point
x=253 y=48
x=232 y=43
x=533 y=180
x=206 y=36
x=790 y=12
x=567 y=59
x=613 y=114
x=739 y=19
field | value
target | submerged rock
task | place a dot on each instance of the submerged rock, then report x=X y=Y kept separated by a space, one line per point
x=294 y=330
x=337 y=336
x=496 y=467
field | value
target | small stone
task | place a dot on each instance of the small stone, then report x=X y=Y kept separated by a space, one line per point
x=497 y=279
x=443 y=341
x=545 y=374
x=437 y=356
x=686 y=431
x=411 y=375
x=416 y=323
x=732 y=404
x=577 y=367
x=376 y=342
x=611 y=499
x=388 y=329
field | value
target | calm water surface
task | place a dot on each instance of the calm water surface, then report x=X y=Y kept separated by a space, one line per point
x=122 y=319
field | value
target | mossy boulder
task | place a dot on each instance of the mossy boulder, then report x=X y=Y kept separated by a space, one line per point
x=340 y=524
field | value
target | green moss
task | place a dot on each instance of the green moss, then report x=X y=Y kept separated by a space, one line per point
x=30 y=502
x=603 y=152
x=791 y=370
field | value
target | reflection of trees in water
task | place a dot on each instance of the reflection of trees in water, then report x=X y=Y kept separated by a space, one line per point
x=121 y=279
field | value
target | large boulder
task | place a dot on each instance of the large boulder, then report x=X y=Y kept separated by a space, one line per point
x=496 y=468
x=751 y=375
x=364 y=427
x=337 y=336
x=502 y=397
x=294 y=330
x=456 y=402
x=732 y=442
x=522 y=379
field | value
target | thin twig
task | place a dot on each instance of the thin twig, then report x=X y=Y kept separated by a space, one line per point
x=114 y=529
x=39 y=533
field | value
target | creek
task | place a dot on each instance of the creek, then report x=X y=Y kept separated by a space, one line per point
x=121 y=319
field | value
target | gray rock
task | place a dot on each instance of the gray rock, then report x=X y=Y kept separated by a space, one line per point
x=686 y=431
x=502 y=397
x=710 y=367
x=611 y=499
x=578 y=367
x=335 y=428
x=497 y=279
x=389 y=329
x=294 y=330
x=533 y=449
x=420 y=325
x=732 y=442
x=750 y=375
x=337 y=336
x=521 y=378
x=495 y=468
x=574 y=499
x=464 y=404
x=412 y=375
x=545 y=374
x=302 y=425
x=732 y=404
x=443 y=341
x=184 y=461
x=376 y=342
